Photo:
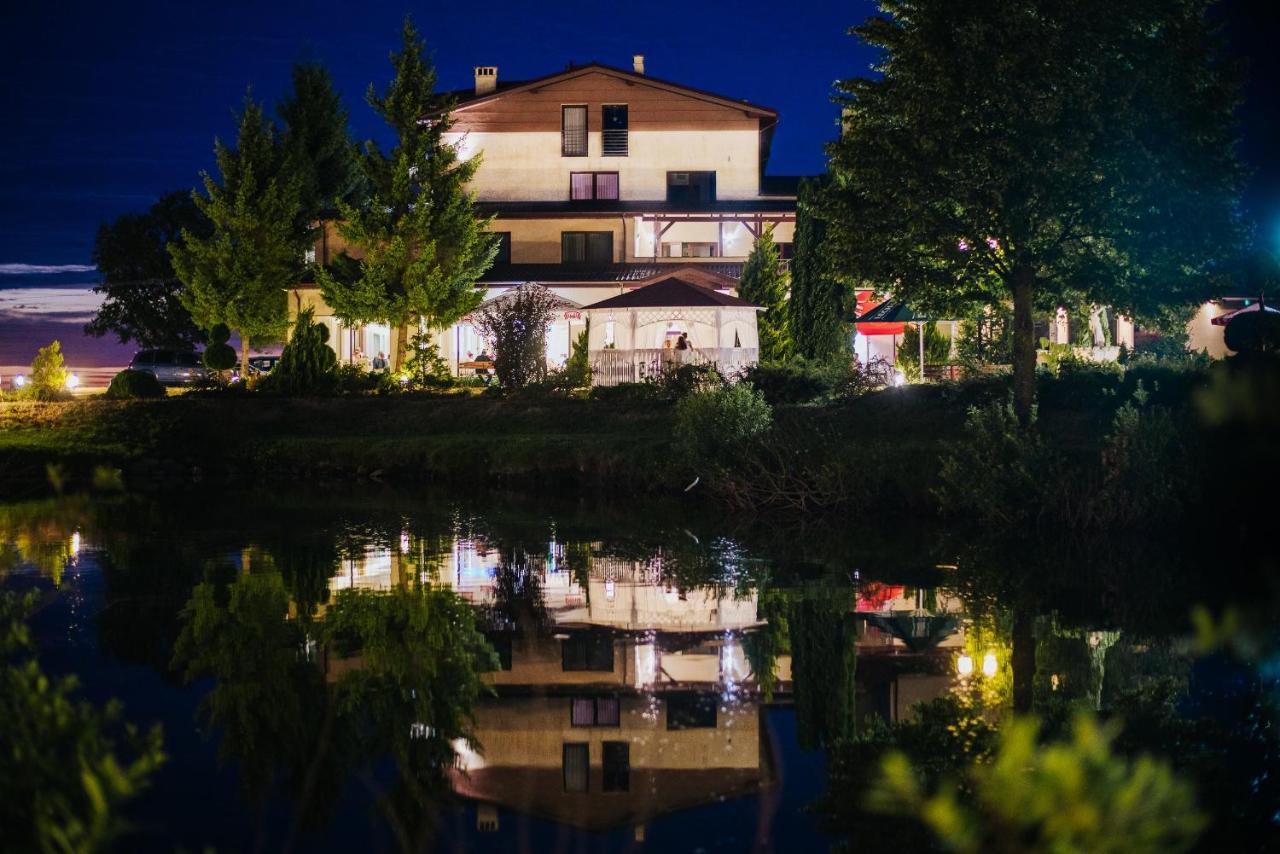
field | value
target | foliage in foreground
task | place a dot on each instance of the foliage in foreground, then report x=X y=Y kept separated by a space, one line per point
x=67 y=767
x=515 y=325
x=1069 y=796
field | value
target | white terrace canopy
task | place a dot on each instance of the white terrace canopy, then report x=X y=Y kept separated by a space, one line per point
x=637 y=334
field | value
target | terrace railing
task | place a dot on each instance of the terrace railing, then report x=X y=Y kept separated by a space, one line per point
x=612 y=367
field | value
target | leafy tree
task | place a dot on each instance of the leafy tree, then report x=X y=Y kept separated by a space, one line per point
x=824 y=661
x=421 y=244
x=66 y=770
x=239 y=273
x=815 y=311
x=1069 y=152
x=317 y=145
x=141 y=293
x=1074 y=795
x=515 y=324
x=764 y=283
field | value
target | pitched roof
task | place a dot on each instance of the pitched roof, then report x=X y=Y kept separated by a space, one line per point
x=670 y=292
x=602 y=273
x=468 y=98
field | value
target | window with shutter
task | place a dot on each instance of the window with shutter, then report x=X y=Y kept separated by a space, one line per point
x=586 y=247
x=614 y=130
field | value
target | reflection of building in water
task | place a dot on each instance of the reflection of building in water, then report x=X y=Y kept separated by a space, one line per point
x=630 y=695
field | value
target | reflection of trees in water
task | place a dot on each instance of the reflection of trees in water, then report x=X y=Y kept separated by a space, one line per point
x=822 y=638
x=518 y=603
x=403 y=677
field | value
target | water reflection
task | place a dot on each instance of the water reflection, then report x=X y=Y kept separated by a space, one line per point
x=529 y=667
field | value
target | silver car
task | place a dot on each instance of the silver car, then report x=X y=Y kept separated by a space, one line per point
x=171 y=367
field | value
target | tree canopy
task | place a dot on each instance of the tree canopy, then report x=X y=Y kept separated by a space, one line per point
x=238 y=274
x=1069 y=151
x=141 y=293
x=317 y=145
x=421 y=246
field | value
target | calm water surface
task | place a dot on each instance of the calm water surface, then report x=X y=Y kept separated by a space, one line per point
x=652 y=680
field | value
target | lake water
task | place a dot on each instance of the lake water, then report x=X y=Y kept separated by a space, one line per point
x=655 y=679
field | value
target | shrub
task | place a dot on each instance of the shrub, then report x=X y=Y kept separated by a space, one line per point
x=676 y=382
x=804 y=381
x=353 y=379
x=937 y=349
x=624 y=392
x=48 y=380
x=307 y=364
x=516 y=325
x=128 y=385
x=711 y=426
x=219 y=356
x=425 y=367
x=577 y=370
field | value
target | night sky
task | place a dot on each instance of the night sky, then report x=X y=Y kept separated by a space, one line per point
x=110 y=104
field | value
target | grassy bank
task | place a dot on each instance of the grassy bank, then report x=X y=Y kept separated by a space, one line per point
x=880 y=450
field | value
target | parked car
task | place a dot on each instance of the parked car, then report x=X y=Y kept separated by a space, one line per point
x=170 y=367
x=261 y=365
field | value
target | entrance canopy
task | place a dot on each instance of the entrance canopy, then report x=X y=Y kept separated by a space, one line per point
x=645 y=318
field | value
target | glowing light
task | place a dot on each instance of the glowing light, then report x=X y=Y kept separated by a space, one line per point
x=404 y=542
x=989 y=664
x=75 y=543
x=964 y=665
x=73 y=381
x=963 y=246
x=19 y=381
x=899 y=378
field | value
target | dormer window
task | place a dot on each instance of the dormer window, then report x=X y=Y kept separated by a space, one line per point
x=614 y=125
x=573 y=131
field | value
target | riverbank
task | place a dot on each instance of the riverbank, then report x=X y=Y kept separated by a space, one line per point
x=881 y=450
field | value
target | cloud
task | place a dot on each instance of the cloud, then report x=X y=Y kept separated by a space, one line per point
x=39 y=269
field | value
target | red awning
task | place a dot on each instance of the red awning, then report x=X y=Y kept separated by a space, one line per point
x=881 y=328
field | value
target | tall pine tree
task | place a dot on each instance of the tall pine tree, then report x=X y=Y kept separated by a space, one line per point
x=764 y=283
x=1039 y=152
x=317 y=145
x=238 y=274
x=422 y=246
x=816 y=307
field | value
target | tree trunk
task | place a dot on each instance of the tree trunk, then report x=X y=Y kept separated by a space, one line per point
x=1024 y=345
x=244 y=357
x=1023 y=658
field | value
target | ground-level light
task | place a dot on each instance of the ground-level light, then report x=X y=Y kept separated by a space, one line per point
x=73 y=381
x=19 y=381
x=964 y=664
x=989 y=664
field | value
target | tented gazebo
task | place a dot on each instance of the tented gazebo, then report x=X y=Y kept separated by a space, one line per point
x=636 y=334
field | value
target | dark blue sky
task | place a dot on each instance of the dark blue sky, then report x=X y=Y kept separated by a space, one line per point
x=110 y=104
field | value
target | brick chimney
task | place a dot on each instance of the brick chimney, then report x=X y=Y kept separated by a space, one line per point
x=486 y=79
x=637 y=63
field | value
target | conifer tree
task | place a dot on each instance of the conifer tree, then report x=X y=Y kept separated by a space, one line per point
x=317 y=145
x=764 y=283
x=815 y=310
x=239 y=273
x=422 y=246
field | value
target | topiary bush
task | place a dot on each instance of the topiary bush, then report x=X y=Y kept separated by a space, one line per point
x=219 y=356
x=307 y=364
x=131 y=385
